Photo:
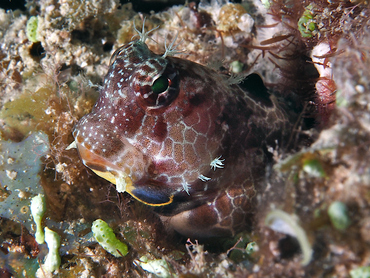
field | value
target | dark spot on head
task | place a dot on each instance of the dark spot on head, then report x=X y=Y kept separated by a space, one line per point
x=160 y=129
x=196 y=99
x=142 y=78
x=154 y=63
x=136 y=87
x=132 y=121
x=88 y=146
x=98 y=152
x=147 y=69
x=134 y=59
x=235 y=106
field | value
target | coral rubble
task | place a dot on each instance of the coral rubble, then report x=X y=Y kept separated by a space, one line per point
x=314 y=54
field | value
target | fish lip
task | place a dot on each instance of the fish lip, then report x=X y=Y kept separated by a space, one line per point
x=152 y=192
x=142 y=188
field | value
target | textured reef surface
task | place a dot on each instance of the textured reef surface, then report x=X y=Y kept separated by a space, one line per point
x=311 y=212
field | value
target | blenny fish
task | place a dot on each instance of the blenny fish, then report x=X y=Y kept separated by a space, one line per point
x=180 y=137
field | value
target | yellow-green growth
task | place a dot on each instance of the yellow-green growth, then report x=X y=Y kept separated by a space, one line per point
x=31 y=29
x=159 y=267
x=266 y=3
x=340 y=100
x=236 y=67
x=38 y=208
x=52 y=260
x=314 y=168
x=338 y=215
x=307 y=24
x=360 y=272
x=251 y=248
x=107 y=239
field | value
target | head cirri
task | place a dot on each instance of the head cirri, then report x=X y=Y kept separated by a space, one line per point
x=175 y=135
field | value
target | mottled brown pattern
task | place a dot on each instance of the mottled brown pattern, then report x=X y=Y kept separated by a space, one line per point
x=196 y=150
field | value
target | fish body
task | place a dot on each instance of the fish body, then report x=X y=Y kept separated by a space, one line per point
x=178 y=136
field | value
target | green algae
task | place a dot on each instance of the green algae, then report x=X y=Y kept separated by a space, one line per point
x=52 y=259
x=314 y=168
x=307 y=24
x=338 y=214
x=31 y=29
x=360 y=272
x=107 y=239
x=159 y=267
x=38 y=208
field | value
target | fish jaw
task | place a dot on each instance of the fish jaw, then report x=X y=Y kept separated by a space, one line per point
x=116 y=160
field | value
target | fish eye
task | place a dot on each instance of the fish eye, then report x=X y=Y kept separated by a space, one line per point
x=160 y=85
x=156 y=89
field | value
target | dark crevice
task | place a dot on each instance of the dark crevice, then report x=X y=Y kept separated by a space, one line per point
x=146 y=6
x=37 y=52
x=13 y=5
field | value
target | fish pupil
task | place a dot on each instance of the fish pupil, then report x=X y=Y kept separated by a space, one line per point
x=160 y=85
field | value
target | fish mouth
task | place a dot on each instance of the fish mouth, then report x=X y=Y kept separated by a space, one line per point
x=147 y=194
x=147 y=191
x=150 y=194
